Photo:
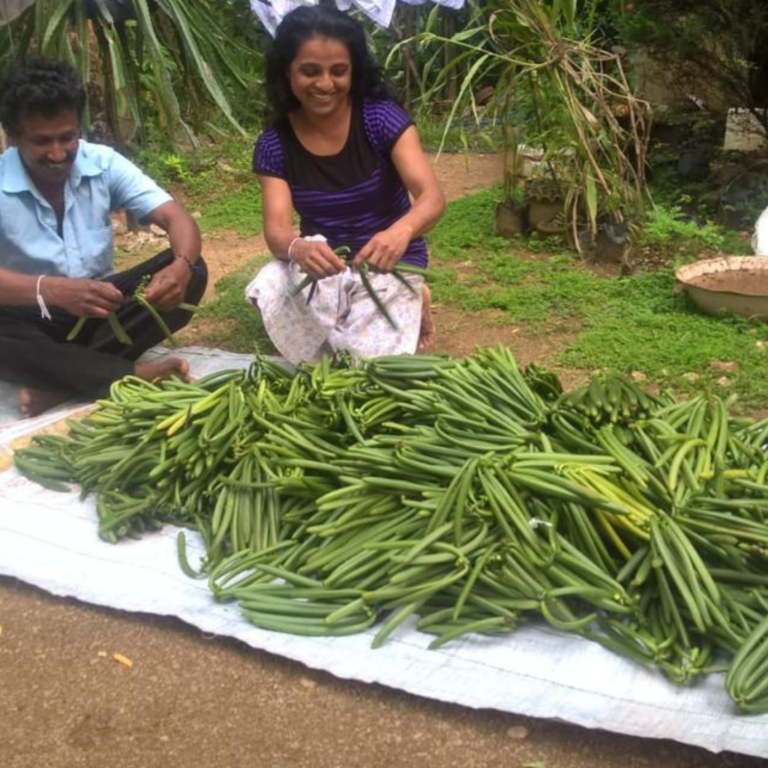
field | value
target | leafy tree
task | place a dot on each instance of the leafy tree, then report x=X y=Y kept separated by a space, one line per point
x=152 y=66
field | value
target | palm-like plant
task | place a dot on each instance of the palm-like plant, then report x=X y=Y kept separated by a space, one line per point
x=160 y=63
x=554 y=88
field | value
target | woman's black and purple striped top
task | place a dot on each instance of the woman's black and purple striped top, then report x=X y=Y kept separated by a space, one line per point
x=350 y=196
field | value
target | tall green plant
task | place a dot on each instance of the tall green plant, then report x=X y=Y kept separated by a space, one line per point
x=162 y=63
x=554 y=88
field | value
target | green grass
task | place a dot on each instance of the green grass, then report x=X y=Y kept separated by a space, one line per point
x=666 y=225
x=668 y=345
x=240 y=212
x=468 y=223
x=458 y=138
x=218 y=183
x=237 y=325
x=625 y=324
x=668 y=229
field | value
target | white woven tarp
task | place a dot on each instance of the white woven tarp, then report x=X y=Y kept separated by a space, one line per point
x=49 y=539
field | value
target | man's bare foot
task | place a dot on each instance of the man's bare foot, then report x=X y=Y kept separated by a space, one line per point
x=163 y=369
x=428 y=330
x=33 y=402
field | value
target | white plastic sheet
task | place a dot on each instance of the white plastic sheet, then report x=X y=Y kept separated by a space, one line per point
x=49 y=539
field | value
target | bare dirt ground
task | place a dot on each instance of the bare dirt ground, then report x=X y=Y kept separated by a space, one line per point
x=193 y=700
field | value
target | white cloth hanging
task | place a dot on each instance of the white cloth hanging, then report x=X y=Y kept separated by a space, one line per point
x=452 y=4
x=10 y=9
x=271 y=12
x=379 y=11
x=270 y=15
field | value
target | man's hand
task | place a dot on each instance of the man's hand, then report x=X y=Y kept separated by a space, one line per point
x=167 y=288
x=316 y=259
x=81 y=296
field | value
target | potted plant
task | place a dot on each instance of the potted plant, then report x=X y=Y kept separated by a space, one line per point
x=573 y=98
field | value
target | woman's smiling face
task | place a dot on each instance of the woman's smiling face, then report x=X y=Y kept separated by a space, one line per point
x=321 y=75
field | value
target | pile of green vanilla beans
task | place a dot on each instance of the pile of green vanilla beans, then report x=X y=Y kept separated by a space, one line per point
x=467 y=494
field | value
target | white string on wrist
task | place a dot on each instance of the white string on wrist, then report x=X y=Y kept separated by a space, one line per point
x=290 y=246
x=44 y=313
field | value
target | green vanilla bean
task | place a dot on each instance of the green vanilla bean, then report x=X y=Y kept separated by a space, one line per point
x=114 y=324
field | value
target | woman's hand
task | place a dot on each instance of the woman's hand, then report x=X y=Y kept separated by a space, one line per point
x=311 y=254
x=385 y=249
x=316 y=259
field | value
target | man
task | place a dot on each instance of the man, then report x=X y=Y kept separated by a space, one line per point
x=56 y=244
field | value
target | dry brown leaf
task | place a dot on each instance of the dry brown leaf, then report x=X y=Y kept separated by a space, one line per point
x=124 y=660
x=727 y=366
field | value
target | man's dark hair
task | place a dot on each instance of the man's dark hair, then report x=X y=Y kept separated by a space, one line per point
x=325 y=21
x=39 y=86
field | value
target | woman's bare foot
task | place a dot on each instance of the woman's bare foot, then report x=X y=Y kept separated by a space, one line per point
x=33 y=402
x=163 y=369
x=428 y=330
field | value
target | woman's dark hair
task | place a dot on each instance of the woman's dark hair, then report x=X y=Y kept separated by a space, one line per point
x=39 y=86
x=325 y=21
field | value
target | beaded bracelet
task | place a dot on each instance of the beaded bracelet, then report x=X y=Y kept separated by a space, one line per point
x=190 y=263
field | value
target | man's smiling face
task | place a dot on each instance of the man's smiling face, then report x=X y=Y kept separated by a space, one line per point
x=48 y=145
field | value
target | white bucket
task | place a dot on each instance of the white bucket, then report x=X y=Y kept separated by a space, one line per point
x=760 y=238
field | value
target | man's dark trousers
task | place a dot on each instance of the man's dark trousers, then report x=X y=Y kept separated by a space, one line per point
x=35 y=353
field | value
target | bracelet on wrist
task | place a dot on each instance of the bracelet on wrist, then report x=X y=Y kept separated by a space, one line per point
x=190 y=263
x=290 y=247
x=44 y=313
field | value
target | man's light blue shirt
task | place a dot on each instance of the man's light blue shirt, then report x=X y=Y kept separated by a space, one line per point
x=101 y=181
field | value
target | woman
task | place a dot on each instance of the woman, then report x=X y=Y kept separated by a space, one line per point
x=346 y=157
